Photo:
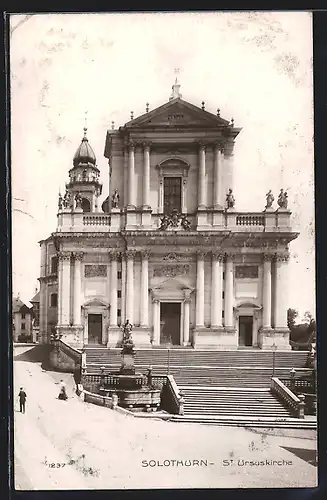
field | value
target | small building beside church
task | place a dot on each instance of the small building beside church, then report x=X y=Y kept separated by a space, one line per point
x=22 y=321
x=169 y=248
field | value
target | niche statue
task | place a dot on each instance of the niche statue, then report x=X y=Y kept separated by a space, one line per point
x=115 y=199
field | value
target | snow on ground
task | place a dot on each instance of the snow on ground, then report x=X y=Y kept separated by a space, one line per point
x=97 y=448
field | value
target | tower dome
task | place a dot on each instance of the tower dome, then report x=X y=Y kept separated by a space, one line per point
x=84 y=154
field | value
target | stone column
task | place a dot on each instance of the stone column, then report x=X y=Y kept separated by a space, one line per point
x=131 y=176
x=78 y=257
x=186 y=320
x=266 y=299
x=113 y=288
x=202 y=179
x=59 y=300
x=281 y=291
x=216 y=290
x=146 y=176
x=130 y=285
x=199 y=313
x=217 y=177
x=229 y=291
x=65 y=304
x=156 y=321
x=123 y=288
x=144 y=320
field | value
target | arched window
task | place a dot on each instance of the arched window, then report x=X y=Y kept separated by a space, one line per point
x=53 y=300
x=86 y=205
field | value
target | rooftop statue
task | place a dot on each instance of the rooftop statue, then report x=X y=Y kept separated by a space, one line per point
x=60 y=202
x=115 y=199
x=67 y=200
x=282 y=199
x=270 y=199
x=230 y=200
x=78 y=200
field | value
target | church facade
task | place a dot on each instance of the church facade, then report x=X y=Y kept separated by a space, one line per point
x=168 y=249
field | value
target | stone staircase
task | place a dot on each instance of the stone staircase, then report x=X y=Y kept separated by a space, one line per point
x=192 y=357
x=218 y=386
x=232 y=402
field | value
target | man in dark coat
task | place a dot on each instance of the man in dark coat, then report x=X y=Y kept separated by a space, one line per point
x=22 y=399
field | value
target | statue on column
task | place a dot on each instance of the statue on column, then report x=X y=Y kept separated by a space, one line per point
x=270 y=199
x=127 y=335
x=282 y=199
x=115 y=199
x=78 y=200
x=230 y=200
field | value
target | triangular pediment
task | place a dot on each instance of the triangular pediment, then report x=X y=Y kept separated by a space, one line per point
x=95 y=302
x=178 y=113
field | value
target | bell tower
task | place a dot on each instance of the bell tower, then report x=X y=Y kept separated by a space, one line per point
x=84 y=178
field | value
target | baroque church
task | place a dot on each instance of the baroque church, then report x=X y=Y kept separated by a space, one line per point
x=168 y=249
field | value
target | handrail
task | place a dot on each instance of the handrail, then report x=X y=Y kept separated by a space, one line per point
x=172 y=399
x=295 y=403
x=72 y=352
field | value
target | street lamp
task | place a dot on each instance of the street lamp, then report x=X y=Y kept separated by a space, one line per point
x=274 y=348
x=169 y=347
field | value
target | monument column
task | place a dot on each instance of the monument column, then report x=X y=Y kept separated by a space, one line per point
x=146 y=176
x=65 y=304
x=199 y=313
x=216 y=290
x=229 y=291
x=266 y=313
x=131 y=178
x=78 y=257
x=281 y=291
x=130 y=285
x=217 y=177
x=144 y=321
x=202 y=179
x=113 y=289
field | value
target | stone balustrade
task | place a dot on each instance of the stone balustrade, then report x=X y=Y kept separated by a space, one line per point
x=295 y=403
x=211 y=220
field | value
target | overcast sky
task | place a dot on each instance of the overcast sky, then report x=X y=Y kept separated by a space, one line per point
x=255 y=67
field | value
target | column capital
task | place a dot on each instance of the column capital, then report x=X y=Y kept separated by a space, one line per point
x=200 y=254
x=155 y=300
x=130 y=254
x=217 y=146
x=145 y=254
x=78 y=256
x=218 y=256
x=131 y=145
x=201 y=145
x=146 y=145
x=230 y=256
x=64 y=255
x=114 y=255
x=282 y=257
x=267 y=257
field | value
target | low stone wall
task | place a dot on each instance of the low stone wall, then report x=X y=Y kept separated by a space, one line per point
x=63 y=357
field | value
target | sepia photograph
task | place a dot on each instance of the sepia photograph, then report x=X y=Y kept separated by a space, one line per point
x=163 y=250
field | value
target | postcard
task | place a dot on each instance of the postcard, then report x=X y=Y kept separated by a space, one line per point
x=163 y=315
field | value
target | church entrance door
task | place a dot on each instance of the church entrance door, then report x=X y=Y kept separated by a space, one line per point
x=170 y=323
x=95 y=328
x=245 y=331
